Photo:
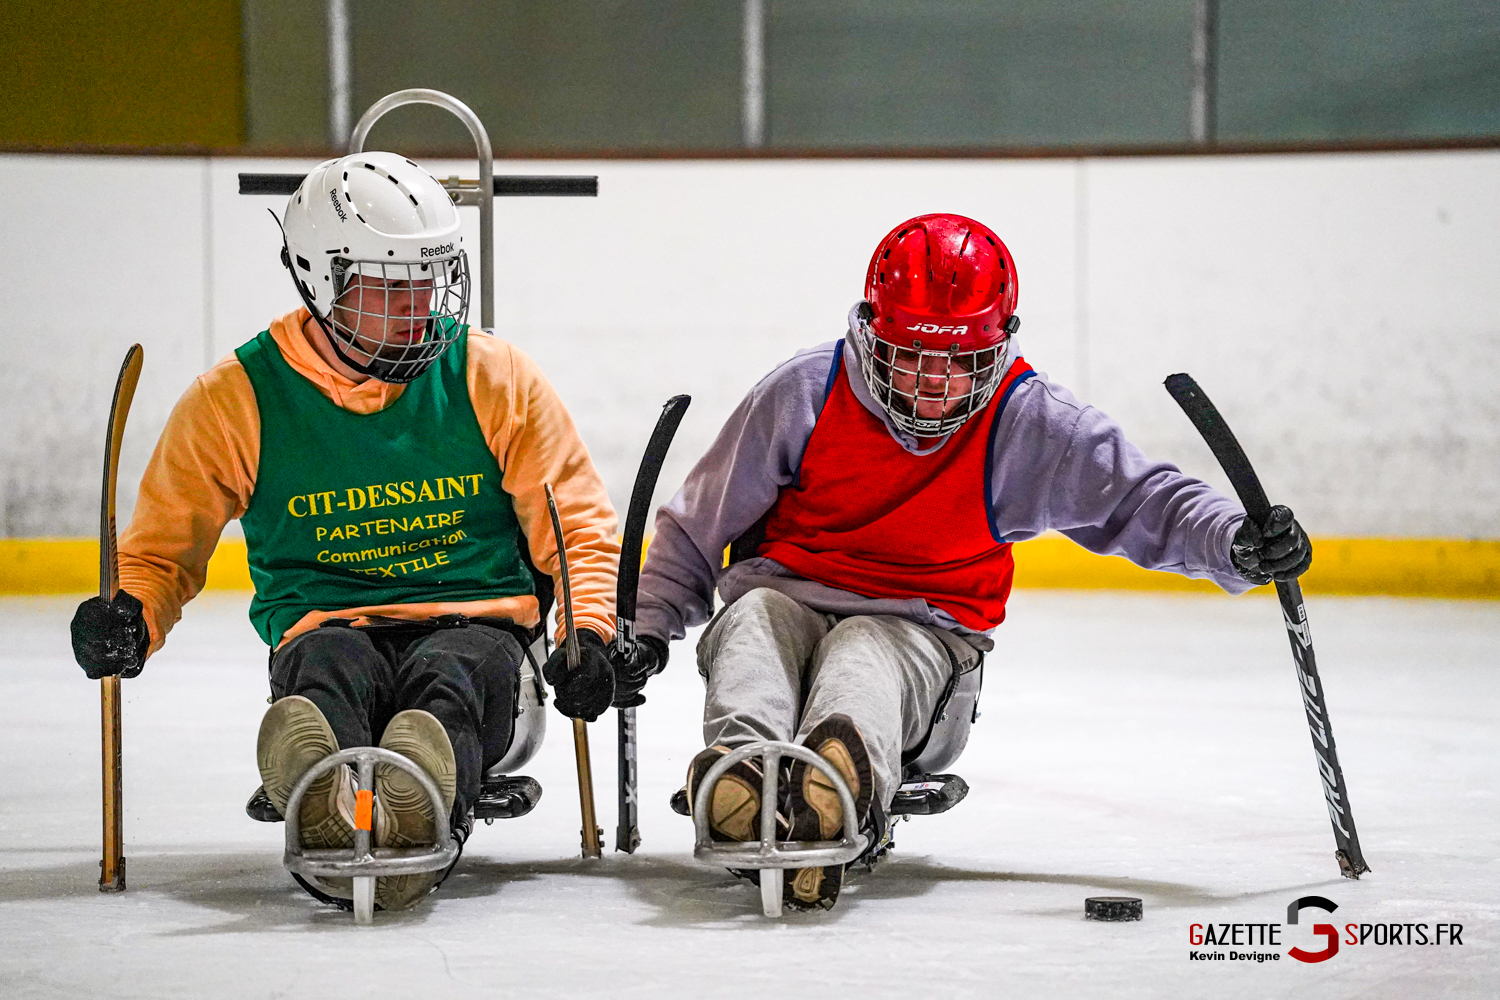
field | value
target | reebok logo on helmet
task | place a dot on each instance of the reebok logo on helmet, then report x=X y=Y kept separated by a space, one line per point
x=957 y=331
x=437 y=251
x=334 y=197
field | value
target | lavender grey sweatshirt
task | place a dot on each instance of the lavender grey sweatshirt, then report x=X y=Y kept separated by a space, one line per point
x=1057 y=464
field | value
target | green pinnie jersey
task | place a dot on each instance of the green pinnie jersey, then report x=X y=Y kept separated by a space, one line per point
x=401 y=506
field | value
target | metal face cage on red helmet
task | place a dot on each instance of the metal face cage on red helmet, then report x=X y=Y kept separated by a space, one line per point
x=941 y=293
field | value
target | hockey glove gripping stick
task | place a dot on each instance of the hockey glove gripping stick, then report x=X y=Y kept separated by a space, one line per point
x=1220 y=439
x=627 y=831
x=585 y=689
x=110 y=638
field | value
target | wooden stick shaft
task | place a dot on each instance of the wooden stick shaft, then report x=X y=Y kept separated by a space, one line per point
x=112 y=795
x=112 y=868
x=592 y=835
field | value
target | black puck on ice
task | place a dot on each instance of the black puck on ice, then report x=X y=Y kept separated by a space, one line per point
x=1112 y=908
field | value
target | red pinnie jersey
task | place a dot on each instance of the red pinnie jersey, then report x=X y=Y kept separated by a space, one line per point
x=860 y=498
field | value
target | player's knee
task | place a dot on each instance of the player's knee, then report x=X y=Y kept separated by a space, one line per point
x=858 y=630
x=328 y=659
x=504 y=656
x=764 y=605
x=762 y=613
x=863 y=645
x=477 y=641
x=759 y=618
x=489 y=658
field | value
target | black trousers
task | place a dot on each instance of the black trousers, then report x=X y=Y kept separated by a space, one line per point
x=466 y=676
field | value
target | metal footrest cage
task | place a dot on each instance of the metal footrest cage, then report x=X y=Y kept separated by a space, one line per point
x=364 y=862
x=768 y=854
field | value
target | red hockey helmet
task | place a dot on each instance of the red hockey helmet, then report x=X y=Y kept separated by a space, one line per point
x=942 y=294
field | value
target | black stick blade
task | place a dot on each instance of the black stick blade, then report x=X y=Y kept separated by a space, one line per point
x=1221 y=440
x=640 y=503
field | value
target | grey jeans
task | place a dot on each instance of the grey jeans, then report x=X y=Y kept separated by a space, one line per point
x=775 y=669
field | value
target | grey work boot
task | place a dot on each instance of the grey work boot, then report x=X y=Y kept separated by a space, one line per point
x=734 y=806
x=403 y=811
x=294 y=736
x=817 y=811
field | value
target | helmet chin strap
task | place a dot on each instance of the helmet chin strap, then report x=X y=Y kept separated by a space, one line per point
x=376 y=368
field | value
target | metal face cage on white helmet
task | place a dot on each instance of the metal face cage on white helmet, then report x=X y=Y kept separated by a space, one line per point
x=373 y=246
x=949 y=383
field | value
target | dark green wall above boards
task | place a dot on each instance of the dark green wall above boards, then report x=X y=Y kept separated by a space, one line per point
x=286 y=74
x=664 y=76
x=646 y=75
x=565 y=74
x=1293 y=71
x=867 y=75
x=960 y=73
x=147 y=73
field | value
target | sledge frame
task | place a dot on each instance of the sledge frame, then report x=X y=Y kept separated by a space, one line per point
x=770 y=856
x=364 y=862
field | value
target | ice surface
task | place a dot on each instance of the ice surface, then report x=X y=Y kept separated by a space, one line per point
x=1130 y=745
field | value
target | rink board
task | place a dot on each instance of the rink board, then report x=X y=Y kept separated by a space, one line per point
x=1339 y=309
x=1399 y=567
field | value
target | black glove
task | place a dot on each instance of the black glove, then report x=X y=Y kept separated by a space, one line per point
x=586 y=692
x=1277 y=550
x=110 y=637
x=641 y=660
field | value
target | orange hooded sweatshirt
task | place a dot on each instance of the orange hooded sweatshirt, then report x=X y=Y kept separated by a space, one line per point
x=203 y=472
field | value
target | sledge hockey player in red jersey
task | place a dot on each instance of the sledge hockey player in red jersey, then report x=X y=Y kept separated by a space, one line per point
x=388 y=466
x=869 y=491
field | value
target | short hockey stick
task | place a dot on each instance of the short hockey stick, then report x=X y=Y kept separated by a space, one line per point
x=112 y=867
x=592 y=834
x=628 y=831
x=1231 y=456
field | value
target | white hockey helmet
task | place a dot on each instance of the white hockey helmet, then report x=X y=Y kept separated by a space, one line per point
x=373 y=246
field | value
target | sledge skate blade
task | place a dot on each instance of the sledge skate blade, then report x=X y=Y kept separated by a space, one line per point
x=771 y=880
x=362 y=862
x=364 y=900
x=768 y=854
